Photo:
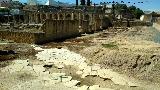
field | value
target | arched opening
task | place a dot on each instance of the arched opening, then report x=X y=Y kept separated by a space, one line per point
x=61 y=17
x=106 y=22
x=31 y=18
x=50 y=16
x=55 y=17
x=43 y=16
x=68 y=17
x=38 y=18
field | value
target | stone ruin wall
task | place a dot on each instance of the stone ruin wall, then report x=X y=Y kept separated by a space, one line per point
x=22 y=37
x=93 y=19
x=52 y=30
x=55 y=26
x=58 y=29
x=131 y=23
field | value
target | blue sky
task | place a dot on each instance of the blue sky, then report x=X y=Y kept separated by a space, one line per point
x=147 y=5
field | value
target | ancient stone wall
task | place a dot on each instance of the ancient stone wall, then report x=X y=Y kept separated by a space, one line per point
x=98 y=24
x=22 y=37
x=63 y=27
x=58 y=29
x=131 y=23
x=52 y=30
x=85 y=26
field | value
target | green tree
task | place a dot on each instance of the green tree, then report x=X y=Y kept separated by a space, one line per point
x=138 y=13
x=120 y=8
x=133 y=11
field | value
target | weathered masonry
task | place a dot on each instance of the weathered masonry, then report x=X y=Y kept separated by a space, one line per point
x=49 y=31
x=55 y=24
x=38 y=14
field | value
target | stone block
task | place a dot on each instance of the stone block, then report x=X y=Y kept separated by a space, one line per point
x=38 y=69
x=95 y=67
x=94 y=87
x=84 y=87
x=79 y=72
x=71 y=83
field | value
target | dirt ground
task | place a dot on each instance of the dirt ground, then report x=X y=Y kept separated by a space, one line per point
x=134 y=52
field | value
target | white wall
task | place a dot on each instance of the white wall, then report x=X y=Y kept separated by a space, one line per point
x=146 y=18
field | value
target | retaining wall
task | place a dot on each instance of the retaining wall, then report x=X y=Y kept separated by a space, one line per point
x=58 y=29
x=131 y=23
x=22 y=37
x=52 y=30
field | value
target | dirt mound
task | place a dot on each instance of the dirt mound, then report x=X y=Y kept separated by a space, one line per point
x=11 y=51
x=139 y=65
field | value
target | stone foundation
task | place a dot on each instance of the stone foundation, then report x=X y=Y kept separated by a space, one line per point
x=22 y=37
x=131 y=23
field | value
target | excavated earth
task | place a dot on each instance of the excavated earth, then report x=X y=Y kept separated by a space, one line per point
x=113 y=59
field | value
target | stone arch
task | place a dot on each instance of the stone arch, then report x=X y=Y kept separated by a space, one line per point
x=32 y=17
x=55 y=16
x=68 y=17
x=43 y=16
x=38 y=18
x=50 y=16
x=61 y=16
x=106 y=22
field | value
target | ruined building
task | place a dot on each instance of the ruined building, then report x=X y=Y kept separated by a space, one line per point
x=52 y=23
